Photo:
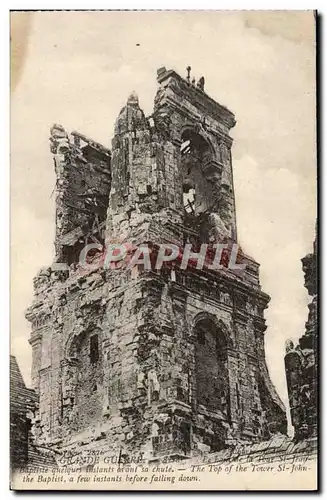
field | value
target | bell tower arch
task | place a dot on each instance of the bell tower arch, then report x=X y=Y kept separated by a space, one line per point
x=198 y=129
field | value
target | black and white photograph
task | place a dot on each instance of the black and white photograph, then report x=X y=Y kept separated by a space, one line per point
x=164 y=247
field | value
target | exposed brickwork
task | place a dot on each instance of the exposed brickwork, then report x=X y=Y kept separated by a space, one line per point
x=180 y=364
x=301 y=361
x=83 y=184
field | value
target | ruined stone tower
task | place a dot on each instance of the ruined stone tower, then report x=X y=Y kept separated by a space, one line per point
x=169 y=361
x=301 y=361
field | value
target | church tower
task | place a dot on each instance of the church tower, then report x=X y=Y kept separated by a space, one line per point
x=169 y=361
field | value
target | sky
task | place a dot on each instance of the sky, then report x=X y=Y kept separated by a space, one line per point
x=78 y=68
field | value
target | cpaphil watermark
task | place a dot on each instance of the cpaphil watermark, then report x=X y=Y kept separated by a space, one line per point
x=149 y=257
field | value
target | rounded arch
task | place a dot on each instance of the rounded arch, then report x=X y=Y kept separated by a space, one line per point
x=83 y=376
x=196 y=154
x=211 y=342
x=75 y=338
x=196 y=131
x=218 y=325
x=70 y=345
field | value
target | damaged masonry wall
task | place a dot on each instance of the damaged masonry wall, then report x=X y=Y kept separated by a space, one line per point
x=301 y=361
x=82 y=191
x=169 y=363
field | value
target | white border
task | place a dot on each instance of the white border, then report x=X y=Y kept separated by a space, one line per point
x=162 y=5
x=4 y=170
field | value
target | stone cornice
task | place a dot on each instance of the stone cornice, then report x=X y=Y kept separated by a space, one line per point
x=194 y=116
x=240 y=317
x=199 y=97
x=259 y=324
x=35 y=339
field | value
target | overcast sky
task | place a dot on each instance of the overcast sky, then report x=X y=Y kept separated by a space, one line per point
x=77 y=69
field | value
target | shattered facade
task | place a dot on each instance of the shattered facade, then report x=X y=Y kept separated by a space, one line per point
x=170 y=362
x=301 y=361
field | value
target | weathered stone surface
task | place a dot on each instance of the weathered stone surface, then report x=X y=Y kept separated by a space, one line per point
x=23 y=403
x=301 y=362
x=168 y=362
x=82 y=190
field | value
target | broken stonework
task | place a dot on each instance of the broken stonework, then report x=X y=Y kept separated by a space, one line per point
x=171 y=363
x=301 y=361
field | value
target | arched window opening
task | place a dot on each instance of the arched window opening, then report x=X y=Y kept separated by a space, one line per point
x=211 y=367
x=83 y=379
x=197 y=190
